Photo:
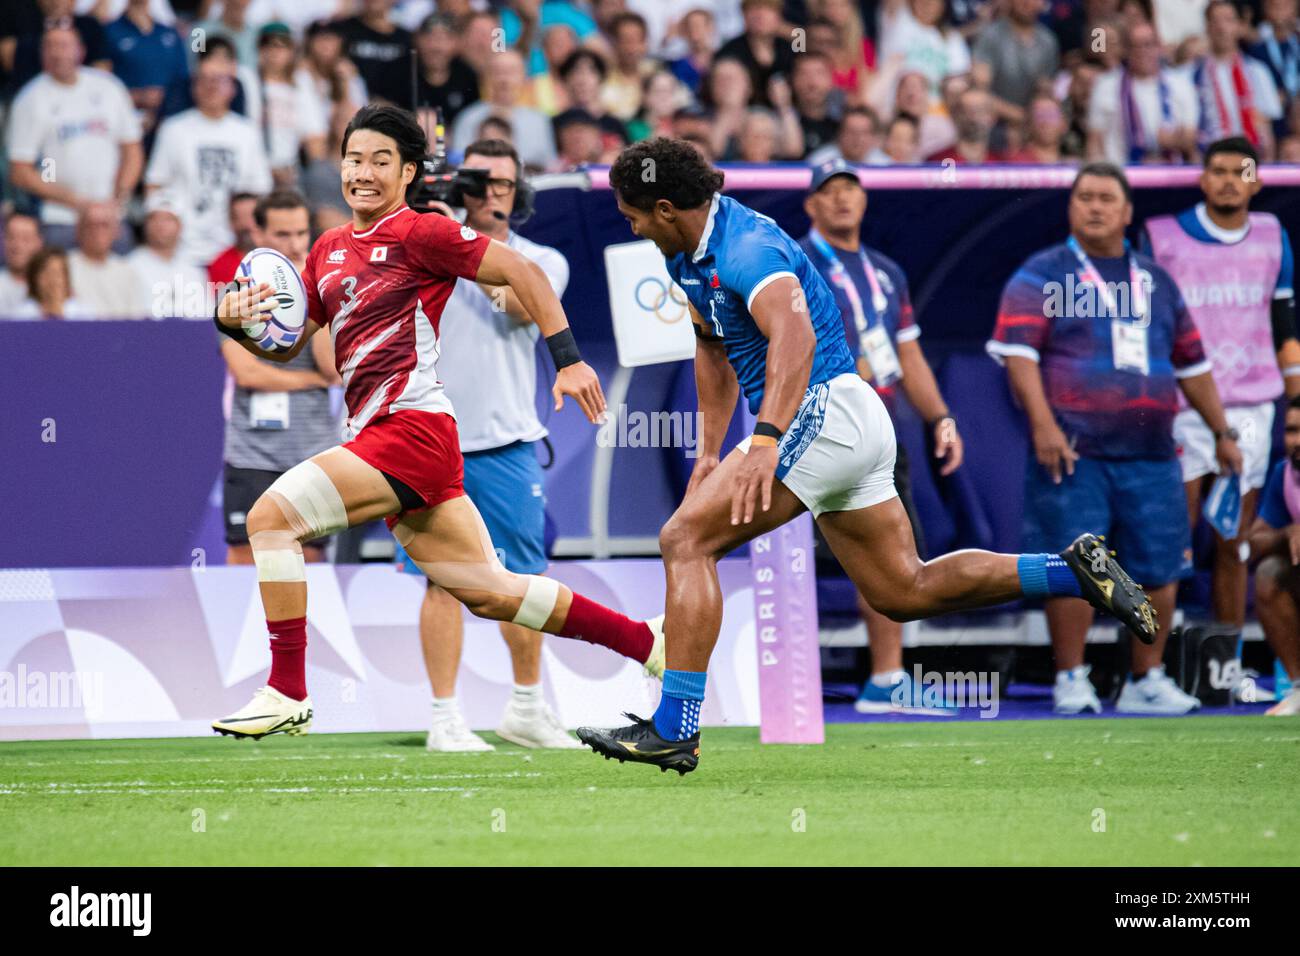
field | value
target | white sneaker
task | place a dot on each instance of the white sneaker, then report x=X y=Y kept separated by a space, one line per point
x=1073 y=693
x=450 y=734
x=1155 y=693
x=269 y=712
x=655 y=663
x=537 y=728
x=1288 y=706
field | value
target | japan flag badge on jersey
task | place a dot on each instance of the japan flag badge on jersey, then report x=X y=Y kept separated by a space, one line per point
x=379 y=254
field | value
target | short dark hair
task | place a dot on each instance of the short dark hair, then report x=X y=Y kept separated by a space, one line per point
x=906 y=119
x=622 y=19
x=810 y=56
x=397 y=124
x=1106 y=171
x=278 y=199
x=38 y=262
x=1209 y=7
x=494 y=147
x=214 y=43
x=576 y=57
x=240 y=197
x=866 y=111
x=681 y=174
x=1236 y=145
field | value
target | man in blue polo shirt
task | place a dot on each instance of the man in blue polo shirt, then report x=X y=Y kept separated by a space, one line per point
x=149 y=58
x=1097 y=343
x=871 y=292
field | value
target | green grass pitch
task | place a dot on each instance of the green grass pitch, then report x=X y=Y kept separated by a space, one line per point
x=1198 y=790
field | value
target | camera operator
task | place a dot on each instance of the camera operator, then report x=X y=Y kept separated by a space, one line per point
x=487 y=336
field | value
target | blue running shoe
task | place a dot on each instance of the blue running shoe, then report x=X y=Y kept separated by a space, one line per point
x=901 y=697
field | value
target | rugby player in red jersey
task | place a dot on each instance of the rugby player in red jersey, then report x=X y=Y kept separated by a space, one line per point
x=379 y=285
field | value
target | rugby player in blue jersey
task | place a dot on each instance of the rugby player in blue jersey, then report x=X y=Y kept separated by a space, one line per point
x=768 y=326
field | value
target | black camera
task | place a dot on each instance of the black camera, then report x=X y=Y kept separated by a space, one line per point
x=450 y=186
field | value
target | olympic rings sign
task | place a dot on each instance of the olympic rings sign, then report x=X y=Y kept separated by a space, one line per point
x=653 y=295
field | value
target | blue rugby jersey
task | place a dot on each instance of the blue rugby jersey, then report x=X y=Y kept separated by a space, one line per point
x=740 y=252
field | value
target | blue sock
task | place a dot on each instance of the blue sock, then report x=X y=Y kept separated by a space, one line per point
x=1047 y=575
x=678 y=716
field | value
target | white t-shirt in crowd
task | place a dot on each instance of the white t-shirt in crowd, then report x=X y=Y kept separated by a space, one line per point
x=1176 y=20
x=160 y=10
x=297 y=15
x=73 y=132
x=935 y=53
x=12 y=292
x=1106 y=113
x=111 y=289
x=487 y=359
x=293 y=114
x=201 y=162
x=1263 y=94
x=173 y=288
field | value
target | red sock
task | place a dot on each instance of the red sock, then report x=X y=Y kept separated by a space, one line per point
x=597 y=624
x=289 y=657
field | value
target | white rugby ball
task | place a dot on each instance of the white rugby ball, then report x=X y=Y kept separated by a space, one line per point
x=283 y=325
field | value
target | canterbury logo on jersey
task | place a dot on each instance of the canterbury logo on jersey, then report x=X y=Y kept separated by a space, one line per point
x=337 y=255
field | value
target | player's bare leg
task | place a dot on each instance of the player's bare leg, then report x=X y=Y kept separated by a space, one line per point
x=451 y=545
x=698 y=534
x=318 y=497
x=876 y=548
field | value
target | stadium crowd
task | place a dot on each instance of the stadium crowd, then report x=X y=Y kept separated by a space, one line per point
x=149 y=144
x=136 y=122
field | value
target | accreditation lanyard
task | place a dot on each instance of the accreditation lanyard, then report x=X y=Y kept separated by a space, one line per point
x=1129 y=345
x=840 y=276
x=874 y=343
x=1137 y=290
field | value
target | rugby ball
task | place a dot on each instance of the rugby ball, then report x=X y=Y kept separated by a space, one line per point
x=283 y=325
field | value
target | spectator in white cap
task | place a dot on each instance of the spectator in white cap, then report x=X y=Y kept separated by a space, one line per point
x=171 y=286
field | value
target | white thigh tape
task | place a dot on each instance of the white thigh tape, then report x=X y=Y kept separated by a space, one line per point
x=538 y=603
x=309 y=490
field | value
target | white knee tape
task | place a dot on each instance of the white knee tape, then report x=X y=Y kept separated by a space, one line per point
x=278 y=556
x=311 y=493
x=538 y=603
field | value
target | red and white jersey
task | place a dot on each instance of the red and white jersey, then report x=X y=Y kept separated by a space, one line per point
x=382 y=292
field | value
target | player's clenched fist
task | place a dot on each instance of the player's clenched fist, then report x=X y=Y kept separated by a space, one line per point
x=244 y=303
x=580 y=383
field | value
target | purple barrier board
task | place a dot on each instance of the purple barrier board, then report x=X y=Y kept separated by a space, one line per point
x=161 y=652
x=785 y=618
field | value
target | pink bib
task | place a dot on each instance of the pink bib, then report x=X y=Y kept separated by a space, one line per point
x=1229 y=292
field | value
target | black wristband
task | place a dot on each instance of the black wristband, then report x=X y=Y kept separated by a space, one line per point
x=705 y=336
x=237 y=333
x=564 y=350
x=768 y=429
